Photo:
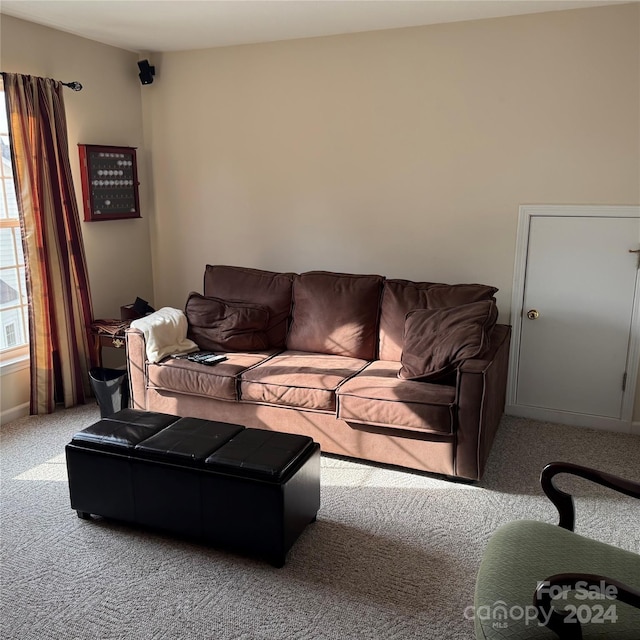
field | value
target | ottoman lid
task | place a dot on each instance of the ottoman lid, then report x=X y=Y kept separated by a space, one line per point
x=258 y=453
x=123 y=430
x=188 y=440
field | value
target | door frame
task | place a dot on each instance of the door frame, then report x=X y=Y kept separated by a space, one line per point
x=625 y=424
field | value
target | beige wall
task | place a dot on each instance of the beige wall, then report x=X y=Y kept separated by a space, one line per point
x=14 y=392
x=107 y=111
x=403 y=152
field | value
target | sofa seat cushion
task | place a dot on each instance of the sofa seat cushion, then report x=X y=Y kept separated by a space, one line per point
x=376 y=396
x=179 y=375
x=299 y=379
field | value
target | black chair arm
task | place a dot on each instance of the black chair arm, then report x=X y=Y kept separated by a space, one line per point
x=565 y=624
x=564 y=501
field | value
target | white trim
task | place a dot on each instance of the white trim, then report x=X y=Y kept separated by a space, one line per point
x=14 y=365
x=14 y=413
x=581 y=210
x=575 y=419
x=526 y=212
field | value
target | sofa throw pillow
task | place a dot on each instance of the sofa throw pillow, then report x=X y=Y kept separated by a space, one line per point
x=440 y=296
x=226 y=325
x=438 y=341
x=257 y=287
x=401 y=296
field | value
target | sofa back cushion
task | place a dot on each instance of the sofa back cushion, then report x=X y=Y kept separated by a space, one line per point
x=336 y=314
x=399 y=297
x=218 y=325
x=267 y=288
x=437 y=341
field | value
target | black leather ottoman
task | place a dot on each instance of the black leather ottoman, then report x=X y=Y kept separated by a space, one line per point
x=247 y=490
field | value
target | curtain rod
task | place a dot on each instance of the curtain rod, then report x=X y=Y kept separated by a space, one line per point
x=74 y=84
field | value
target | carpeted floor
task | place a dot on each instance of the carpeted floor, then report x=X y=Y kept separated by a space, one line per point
x=393 y=554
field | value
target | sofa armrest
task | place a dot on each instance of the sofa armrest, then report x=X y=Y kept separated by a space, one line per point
x=481 y=393
x=137 y=368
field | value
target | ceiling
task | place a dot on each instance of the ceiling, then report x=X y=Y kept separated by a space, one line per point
x=175 y=25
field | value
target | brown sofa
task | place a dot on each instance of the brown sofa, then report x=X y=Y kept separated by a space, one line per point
x=391 y=371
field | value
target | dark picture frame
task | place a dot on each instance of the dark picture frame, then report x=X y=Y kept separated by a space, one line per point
x=109 y=182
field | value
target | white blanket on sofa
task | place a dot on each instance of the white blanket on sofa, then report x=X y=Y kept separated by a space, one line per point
x=165 y=333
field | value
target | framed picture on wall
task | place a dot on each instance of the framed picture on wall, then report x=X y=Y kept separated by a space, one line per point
x=109 y=182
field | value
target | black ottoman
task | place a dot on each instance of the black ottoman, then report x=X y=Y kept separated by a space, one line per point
x=248 y=490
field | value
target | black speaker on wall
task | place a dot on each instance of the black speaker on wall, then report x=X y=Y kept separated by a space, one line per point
x=146 y=72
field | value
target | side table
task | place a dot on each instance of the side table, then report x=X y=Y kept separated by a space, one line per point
x=107 y=333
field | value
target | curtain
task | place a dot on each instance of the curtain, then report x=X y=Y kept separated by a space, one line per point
x=58 y=293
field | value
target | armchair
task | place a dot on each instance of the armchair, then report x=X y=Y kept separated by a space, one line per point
x=542 y=581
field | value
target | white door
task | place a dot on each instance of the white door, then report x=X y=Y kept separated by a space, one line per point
x=576 y=317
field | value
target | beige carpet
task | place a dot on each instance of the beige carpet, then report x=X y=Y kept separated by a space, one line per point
x=393 y=554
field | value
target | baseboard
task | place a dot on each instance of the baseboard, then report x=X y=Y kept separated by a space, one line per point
x=575 y=419
x=14 y=413
x=635 y=427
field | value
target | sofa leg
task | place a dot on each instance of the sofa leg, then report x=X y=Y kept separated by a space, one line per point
x=83 y=515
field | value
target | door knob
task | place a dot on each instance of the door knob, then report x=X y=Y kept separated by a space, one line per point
x=533 y=314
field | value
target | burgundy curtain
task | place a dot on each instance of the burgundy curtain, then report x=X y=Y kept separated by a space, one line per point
x=57 y=282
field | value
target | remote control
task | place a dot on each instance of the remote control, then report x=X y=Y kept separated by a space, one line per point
x=203 y=357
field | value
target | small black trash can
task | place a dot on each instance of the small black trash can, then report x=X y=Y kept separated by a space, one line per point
x=111 y=387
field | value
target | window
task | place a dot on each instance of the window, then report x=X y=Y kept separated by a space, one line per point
x=10 y=334
x=14 y=336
